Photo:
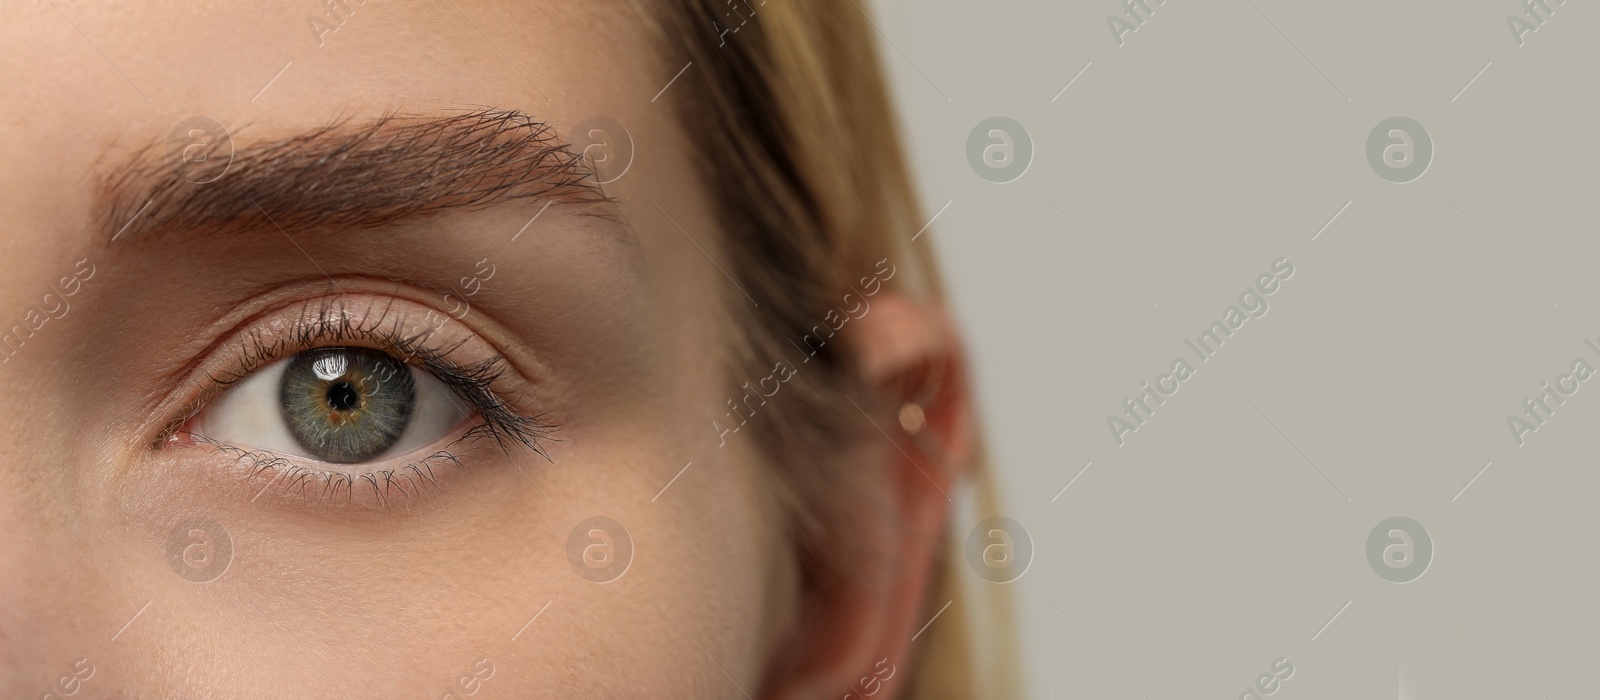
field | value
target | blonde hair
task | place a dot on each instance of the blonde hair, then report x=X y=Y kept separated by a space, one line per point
x=798 y=144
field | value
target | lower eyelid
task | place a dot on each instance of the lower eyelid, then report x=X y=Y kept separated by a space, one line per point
x=287 y=476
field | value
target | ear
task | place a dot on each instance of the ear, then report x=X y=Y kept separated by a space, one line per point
x=918 y=435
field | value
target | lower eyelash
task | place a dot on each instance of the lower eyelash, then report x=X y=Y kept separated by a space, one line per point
x=408 y=481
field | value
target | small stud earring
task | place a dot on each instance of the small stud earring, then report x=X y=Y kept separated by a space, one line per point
x=911 y=418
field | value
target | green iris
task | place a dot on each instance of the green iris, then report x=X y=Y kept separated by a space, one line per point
x=346 y=405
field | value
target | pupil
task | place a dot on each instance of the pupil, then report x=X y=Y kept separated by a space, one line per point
x=343 y=397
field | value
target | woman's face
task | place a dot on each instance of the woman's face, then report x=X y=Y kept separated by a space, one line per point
x=197 y=504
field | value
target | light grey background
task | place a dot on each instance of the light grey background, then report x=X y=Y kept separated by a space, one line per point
x=1232 y=527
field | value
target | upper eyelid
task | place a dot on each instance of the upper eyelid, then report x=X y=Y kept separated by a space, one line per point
x=320 y=324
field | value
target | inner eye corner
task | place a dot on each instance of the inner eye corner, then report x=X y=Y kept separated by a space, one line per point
x=181 y=425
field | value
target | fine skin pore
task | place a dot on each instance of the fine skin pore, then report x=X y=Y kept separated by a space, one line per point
x=610 y=323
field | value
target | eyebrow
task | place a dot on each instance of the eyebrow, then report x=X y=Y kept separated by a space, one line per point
x=350 y=174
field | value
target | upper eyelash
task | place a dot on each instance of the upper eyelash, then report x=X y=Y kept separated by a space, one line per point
x=327 y=324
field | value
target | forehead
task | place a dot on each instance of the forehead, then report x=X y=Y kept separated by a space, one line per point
x=91 y=83
x=224 y=52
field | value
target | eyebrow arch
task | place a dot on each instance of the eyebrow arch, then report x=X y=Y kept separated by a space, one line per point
x=350 y=174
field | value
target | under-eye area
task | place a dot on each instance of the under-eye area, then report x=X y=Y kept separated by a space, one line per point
x=355 y=399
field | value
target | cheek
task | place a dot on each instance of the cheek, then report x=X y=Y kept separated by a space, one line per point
x=595 y=592
x=701 y=581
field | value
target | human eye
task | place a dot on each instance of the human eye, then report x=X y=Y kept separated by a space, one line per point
x=339 y=405
x=358 y=400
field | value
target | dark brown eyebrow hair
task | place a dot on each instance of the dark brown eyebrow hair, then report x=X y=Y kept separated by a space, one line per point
x=350 y=174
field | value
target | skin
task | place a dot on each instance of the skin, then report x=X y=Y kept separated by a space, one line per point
x=613 y=327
